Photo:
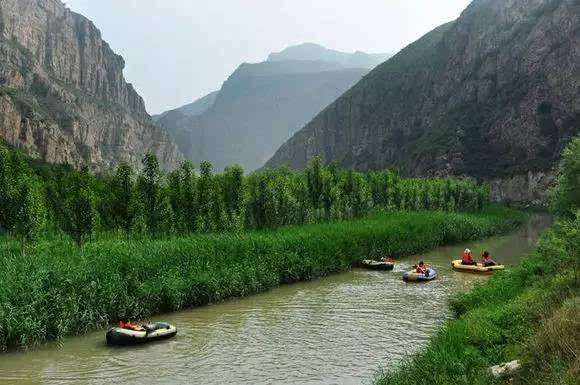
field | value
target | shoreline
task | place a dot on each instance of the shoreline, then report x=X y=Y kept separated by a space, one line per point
x=148 y=277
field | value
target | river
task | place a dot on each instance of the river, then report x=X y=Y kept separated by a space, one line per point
x=335 y=330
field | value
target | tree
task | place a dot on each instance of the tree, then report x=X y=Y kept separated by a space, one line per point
x=175 y=200
x=150 y=190
x=189 y=208
x=565 y=196
x=6 y=191
x=314 y=182
x=30 y=211
x=233 y=192
x=204 y=196
x=123 y=196
x=80 y=208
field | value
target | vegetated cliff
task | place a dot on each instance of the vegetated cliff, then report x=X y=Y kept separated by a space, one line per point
x=494 y=95
x=260 y=106
x=63 y=96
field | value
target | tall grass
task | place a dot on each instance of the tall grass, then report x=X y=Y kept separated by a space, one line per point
x=59 y=289
x=529 y=313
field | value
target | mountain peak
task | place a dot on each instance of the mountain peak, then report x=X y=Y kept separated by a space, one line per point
x=317 y=52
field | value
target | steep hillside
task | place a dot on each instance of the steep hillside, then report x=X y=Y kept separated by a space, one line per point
x=193 y=109
x=493 y=95
x=63 y=96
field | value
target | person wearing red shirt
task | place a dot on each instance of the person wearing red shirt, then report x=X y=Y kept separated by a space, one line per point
x=421 y=268
x=486 y=259
x=125 y=324
x=467 y=258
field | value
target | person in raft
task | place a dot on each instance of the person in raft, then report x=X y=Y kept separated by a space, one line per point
x=125 y=324
x=422 y=269
x=486 y=259
x=467 y=258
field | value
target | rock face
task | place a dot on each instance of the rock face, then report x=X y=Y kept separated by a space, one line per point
x=494 y=95
x=262 y=105
x=63 y=96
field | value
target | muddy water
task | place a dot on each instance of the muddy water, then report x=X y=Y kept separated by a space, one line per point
x=337 y=330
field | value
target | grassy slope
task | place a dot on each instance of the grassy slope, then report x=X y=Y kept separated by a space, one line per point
x=531 y=313
x=60 y=290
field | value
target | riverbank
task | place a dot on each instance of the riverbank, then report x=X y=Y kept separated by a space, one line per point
x=59 y=289
x=529 y=313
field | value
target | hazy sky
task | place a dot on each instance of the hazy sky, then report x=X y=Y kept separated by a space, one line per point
x=179 y=50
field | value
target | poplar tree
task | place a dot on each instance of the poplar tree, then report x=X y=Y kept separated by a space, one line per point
x=30 y=211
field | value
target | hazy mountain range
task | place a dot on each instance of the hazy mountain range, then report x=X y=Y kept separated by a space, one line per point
x=261 y=105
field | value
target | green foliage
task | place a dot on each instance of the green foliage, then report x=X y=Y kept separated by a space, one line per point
x=565 y=196
x=81 y=215
x=182 y=202
x=123 y=207
x=29 y=208
x=529 y=313
x=70 y=290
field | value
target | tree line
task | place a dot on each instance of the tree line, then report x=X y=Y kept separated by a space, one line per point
x=38 y=198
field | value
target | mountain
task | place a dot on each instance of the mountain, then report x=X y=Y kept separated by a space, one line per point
x=63 y=96
x=493 y=95
x=315 y=52
x=259 y=107
x=193 y=109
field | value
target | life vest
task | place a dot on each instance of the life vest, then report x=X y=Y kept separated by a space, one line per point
x=467 y=258
x=128 y=326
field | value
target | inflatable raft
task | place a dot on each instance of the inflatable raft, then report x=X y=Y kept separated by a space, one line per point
x=479 y=268
x=412 y=276
x=377 y=265
x=155 y=332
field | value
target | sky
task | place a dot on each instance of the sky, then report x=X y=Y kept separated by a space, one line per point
x=180 y=50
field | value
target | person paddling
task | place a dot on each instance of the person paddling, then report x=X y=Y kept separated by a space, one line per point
x=422 y=269
x=467 y=258
x=486 y=259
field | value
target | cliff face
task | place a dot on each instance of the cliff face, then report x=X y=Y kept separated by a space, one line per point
x=63 y=96
x=494 y=95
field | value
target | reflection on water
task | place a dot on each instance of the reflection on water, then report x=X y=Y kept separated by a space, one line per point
x=336 y=330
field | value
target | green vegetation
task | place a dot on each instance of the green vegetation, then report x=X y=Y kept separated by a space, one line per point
x=138 y=243
x=60 y=289
x=530 y=313
x=182 y=202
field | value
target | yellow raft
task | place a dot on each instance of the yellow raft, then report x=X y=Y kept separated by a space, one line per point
x=479 y=268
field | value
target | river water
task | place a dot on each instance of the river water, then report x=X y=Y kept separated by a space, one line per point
x=336 y=330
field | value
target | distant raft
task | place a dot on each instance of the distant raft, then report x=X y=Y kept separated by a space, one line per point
x=413 y=276
x=479 y=268
x=377 y=265
x=156 y=331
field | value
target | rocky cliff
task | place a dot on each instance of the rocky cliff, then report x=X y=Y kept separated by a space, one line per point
x=261 y=105
x=63 y=96
x=494 y=95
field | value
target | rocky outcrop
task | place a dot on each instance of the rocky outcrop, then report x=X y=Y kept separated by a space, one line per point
x=530 y=188
x=493 y=95
x=63 y=96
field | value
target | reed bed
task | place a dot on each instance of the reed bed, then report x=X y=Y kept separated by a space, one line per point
x=58 y=289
